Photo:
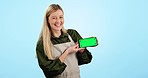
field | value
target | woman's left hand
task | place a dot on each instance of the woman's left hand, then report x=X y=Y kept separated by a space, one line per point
x=81 y=50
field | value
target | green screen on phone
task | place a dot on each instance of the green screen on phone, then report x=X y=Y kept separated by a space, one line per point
x=88 y=42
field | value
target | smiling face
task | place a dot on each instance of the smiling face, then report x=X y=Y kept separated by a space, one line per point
x=56 y=20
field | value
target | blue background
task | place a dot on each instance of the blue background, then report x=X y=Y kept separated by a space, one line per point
x=121 y=27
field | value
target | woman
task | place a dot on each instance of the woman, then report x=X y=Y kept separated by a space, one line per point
x=57 y=50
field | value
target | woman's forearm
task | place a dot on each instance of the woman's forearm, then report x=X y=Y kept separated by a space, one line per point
x=63 y=56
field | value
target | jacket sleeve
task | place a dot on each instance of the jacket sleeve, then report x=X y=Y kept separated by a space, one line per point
x=84 y=58
x=50 y=68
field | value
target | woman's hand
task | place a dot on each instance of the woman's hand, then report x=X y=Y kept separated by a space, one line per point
x=81 y=50
x=68 y=51
x=73 y=49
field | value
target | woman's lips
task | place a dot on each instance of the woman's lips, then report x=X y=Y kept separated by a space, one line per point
x=57 y=25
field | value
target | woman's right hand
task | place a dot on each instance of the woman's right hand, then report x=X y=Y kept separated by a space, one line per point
x=72 y=49
x=68 y=51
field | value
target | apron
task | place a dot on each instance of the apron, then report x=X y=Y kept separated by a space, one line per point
x=72 y=69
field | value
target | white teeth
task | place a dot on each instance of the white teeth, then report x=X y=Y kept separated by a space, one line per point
x=57 y=25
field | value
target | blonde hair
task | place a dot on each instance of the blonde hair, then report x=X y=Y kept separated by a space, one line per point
x=46 y=31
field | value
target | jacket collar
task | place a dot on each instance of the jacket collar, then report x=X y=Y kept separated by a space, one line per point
x=61 y=36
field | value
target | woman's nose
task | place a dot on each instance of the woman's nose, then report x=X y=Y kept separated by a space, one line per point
x=58 y=20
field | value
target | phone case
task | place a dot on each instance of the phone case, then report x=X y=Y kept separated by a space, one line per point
x=88 y=42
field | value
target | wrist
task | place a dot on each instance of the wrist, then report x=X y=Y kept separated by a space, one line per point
x=63 y=56
x=81 y=50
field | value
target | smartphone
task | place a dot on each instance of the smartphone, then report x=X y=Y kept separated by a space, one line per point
x=88 y=42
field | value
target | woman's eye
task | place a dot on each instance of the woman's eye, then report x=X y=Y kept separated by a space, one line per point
x=61 y=17
x=53 y=18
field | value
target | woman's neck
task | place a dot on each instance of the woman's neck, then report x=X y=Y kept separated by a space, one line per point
x=56 y=33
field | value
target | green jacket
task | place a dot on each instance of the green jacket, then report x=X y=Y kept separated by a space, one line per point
x=53 y=68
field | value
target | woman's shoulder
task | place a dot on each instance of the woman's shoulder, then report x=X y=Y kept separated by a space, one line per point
x=74 y=34
x=40 y=41
x=72 y=31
